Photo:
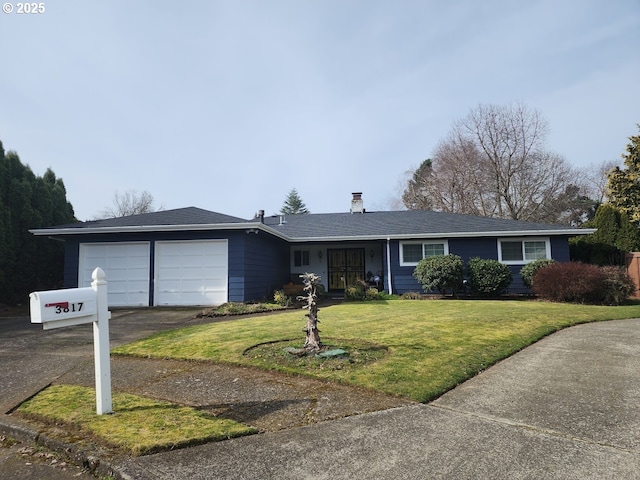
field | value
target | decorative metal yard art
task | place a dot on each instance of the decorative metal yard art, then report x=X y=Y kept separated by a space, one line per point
x=311 y=282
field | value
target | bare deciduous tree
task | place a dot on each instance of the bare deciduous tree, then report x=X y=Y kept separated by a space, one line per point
x=494 y=163
x=595 y=178
x=129 y=203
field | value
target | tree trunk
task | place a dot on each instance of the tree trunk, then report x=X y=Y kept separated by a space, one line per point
x=312 y=342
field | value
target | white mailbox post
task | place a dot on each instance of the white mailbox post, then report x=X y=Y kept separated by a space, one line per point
x=75 y=306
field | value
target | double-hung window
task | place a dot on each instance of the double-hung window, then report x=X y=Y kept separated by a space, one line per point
x=520 y=251
x=412 y=252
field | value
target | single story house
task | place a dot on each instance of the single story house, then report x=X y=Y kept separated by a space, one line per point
x=191 y=256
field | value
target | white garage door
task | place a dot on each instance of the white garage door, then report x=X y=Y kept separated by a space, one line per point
x=126 y=266
x=191 y=272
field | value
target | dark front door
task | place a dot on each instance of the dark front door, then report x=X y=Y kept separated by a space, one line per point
x=346 y=267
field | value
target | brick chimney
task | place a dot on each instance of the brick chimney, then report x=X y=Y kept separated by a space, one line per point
x=357 y=205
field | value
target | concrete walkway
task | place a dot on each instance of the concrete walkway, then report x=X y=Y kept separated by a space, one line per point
x=567 y=407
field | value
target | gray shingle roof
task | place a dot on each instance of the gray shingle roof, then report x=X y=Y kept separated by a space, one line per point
x=323 y=226
x=399 y=223
x=180 y=216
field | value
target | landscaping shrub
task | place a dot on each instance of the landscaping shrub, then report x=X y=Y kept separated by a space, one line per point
x=583 y=283
x=529 y=270
x=618 y=285
x=371 y=293
x=353 y=293
x=488 y=277
x=361 y=291
x=411 y=296
x=282 y=298
x=440 y=272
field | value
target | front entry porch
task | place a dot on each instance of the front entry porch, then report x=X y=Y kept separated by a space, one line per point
x=345 y=266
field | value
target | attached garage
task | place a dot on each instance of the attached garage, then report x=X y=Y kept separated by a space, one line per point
x=191 y=272
x=126 y=265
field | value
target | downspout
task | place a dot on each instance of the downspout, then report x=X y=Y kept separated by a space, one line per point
x=389 y=265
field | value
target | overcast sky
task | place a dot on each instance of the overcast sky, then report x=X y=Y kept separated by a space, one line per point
x=227 y=105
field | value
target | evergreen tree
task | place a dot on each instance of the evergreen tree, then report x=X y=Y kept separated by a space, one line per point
x=616 y=236
x=624 y=184
x=293 y=204
x=29 y=263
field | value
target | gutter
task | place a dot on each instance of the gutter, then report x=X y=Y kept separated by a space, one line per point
x=277 y=233
x=157 y=228
x=413 y=236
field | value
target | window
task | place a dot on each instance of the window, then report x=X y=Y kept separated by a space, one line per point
x=300 y=258
x=412 y=252
x=516 y=251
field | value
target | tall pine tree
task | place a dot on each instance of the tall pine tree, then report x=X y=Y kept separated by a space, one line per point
x=29 y=263
x=293 y=204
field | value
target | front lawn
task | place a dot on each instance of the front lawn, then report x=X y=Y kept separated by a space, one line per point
x=431 y=346
x=138 y=426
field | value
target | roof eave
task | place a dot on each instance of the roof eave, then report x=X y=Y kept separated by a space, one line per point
x=410 y=236
x=154 y=228
x=339 y=238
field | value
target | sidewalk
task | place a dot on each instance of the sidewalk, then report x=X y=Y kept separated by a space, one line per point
x=567 y=407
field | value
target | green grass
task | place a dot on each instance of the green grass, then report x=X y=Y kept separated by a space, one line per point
x=138 y=425
x=431 y=345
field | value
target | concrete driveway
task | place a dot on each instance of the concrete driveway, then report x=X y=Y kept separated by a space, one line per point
x=567 y=407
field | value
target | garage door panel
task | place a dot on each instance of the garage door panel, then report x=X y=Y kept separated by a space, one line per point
x=127 y=274
x=193 y=298
x=191 y=272
x=126 y=266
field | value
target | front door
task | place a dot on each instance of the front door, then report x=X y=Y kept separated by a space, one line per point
x=345 y=266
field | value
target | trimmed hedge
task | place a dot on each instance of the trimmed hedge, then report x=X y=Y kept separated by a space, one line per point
x=488 y=277
x=440 y=272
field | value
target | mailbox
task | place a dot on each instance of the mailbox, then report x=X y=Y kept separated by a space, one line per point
x=62 y=308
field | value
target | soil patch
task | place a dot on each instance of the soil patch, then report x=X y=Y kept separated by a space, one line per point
x=356 y=354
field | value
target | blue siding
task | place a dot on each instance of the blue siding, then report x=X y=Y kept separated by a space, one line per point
x=468 y=248
x=560 y=249
x=71 y=262
x=406 y=283
x=266 y=266
x=403 y=280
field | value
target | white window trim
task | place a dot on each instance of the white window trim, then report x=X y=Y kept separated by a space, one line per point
x=546 y=241
x=423 y=243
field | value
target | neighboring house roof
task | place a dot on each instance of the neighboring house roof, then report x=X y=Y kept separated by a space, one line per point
x=322 y=227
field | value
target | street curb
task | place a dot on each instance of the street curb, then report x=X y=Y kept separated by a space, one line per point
x=87 y=458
